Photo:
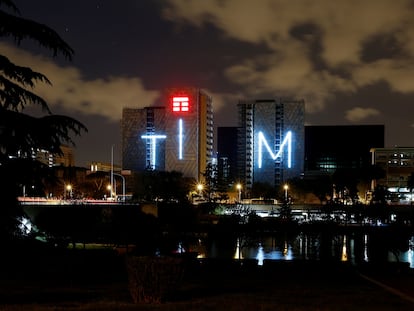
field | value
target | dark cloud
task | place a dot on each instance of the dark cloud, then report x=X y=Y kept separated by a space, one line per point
x=381 y=46
x=350 y=60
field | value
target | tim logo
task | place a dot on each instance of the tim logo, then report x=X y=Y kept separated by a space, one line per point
x=180 y=104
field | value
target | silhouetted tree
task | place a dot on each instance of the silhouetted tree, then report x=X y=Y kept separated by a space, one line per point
x=346 y=181
x=285 y=210
x=22 y=134
x=372 y=172
x=320 y=186
x=161 y=186
x=380 y=195
x=211 y=180
x=262 y=190
x=378 y=208
x=97 y=184
x=410 y=185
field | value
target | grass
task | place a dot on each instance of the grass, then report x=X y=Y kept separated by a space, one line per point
x=96 y=280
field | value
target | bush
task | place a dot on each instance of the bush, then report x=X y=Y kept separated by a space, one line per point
x=153 y=279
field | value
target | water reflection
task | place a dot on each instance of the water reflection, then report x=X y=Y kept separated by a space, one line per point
x=344 y=256
x=355 y=248
x=238 y=254
x=366 y=247
x=260 y=255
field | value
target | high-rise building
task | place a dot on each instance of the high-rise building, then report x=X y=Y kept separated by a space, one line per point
x=270 y=140
x=227 y=152
x=143 y=143
x=177 y=136
x=346 y=146
x=189 y=131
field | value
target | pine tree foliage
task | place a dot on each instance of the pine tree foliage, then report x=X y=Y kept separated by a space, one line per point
x=21 y=133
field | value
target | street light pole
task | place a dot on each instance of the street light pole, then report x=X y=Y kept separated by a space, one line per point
x=112 y=171
x=69 y=190
x=286 y=187
x=239 y=187
x=123 y=185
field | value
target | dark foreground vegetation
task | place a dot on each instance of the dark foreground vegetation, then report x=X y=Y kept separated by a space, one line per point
x=45 y=278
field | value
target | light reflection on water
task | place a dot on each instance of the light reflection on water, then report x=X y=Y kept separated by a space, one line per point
x=344 y=256
x=349 y=248
x=408 y=256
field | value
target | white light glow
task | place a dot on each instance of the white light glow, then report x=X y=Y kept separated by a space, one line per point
x=260 y=255
x=286 y=141
x=153 y=139
x=366 y=248
x=180 y=139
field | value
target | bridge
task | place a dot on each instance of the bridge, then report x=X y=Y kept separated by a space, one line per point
x=46 y=201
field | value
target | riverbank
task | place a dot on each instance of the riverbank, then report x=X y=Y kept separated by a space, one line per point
x=84 y=280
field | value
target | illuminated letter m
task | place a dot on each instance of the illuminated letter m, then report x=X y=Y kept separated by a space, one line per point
x=286 y=141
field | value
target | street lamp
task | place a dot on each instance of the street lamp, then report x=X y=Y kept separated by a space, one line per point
x=123 y=185
x=109 y=188
x=286 y=187
x=239 y=187
x=112 y=170
x=200 y=189
x=69 y=189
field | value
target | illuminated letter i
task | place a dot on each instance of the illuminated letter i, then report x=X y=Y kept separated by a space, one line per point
x=180 y=139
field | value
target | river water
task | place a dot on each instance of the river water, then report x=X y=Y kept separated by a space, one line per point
x=353 y=247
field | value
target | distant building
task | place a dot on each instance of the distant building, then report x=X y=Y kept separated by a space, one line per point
x=328 y=148
x=177 y=136
x=398 y=164
x=67 y=158
x=270 y=140
x=103 y=167
x=227 y=152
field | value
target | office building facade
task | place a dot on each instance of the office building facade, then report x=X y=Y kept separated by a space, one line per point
x=140 y=153
x=66 y=158
x=270 y=141
x=398 y=166
x=189 y=130
x=346 y=146
x=177 y=136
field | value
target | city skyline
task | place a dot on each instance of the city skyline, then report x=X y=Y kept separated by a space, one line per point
x=126 y=55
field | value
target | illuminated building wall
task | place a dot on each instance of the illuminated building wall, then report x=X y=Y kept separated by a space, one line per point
x=140 y=153
x=175 y=137
x=270 y=140
x=398 y=165
x=189 y=130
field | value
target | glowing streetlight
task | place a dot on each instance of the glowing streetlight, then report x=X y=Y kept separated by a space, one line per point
x=109 y=188
x=123 y=185
x=286 y=187
x=239 y=188
x=69 y=190
x=200 y=189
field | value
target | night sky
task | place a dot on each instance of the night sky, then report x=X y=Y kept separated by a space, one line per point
x=351 y=61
